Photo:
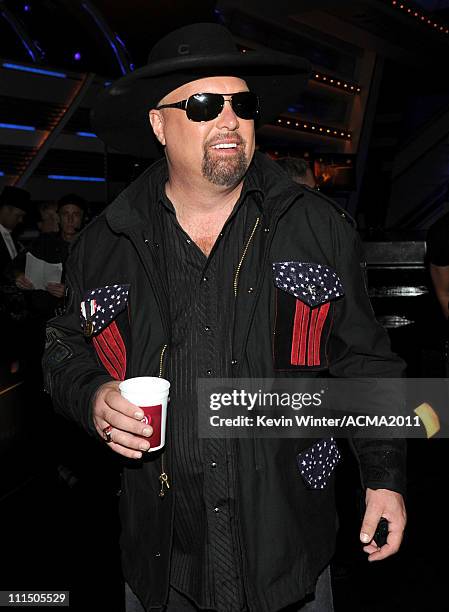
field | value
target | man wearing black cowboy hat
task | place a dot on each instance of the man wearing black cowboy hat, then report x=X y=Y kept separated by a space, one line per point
x=181 y=277
x=14 y=204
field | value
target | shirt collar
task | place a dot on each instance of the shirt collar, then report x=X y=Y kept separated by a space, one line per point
x=4 y=230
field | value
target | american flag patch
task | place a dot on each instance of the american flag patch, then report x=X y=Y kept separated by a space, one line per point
x=102 y=305
x=311 y=283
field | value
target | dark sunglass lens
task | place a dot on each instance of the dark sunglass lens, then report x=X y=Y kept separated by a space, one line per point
x=245 y=105
x=204 y=107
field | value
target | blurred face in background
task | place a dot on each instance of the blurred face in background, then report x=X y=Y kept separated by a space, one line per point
x=11 y=216
x=49 y=220
x=70 y=220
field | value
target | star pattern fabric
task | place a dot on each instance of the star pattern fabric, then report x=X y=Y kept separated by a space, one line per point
x=317 y=463
x=311 y=283
x=105 y=303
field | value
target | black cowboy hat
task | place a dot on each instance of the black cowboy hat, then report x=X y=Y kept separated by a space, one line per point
x=120 y=114
x=17 y=197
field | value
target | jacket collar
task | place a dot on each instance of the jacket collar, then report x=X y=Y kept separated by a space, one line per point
x=137 y=202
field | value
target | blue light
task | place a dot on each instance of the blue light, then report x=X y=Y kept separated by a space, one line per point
x=107 y=36
x=77 y=56
x=292 y=109
x=13 y=126
x=2 y=173
x=86 y=134
x=27 y=8
x=19 y=34
x=64 y=177
x=59 y=75
x=107 y=83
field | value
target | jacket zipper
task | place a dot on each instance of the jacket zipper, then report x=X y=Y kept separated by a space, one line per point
x=163 y=476
x=237 y=272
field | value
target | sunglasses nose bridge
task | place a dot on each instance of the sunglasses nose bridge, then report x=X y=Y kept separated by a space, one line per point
x=225 y=116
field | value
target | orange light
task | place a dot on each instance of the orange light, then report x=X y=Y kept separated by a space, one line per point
x=317 y=76
x=313 y=127
x=305 y=125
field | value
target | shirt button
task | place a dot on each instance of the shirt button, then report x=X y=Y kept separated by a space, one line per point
x=266 y=230
x=234 y=362
x=251 y=289
x=213 y=464
x=216 y=510
x=209 y=372
x=204 y=279
x=206 y=328
x=188 y=241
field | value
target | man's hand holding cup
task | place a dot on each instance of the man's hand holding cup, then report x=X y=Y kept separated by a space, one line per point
x=131 y=415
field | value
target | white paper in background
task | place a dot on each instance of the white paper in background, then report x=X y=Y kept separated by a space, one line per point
x=40 y=272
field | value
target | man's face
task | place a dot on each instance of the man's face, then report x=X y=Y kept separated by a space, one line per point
x=70 y=219
x=11 y=216
x=49 y=221
x=193 y=148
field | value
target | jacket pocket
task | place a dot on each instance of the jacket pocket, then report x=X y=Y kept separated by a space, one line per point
x=100 y=309
x=317 y=463
x=305 y=295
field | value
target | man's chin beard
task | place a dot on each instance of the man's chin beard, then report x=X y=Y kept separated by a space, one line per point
x=225 y=172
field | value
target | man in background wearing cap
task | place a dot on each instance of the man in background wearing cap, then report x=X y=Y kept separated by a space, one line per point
x=53 y=247
x=182 y=277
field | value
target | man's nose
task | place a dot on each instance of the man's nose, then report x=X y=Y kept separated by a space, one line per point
x=227 y=118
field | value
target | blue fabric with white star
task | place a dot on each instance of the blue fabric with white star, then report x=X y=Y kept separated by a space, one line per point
x=317 y=463
x=110 y=301
x=311 y=283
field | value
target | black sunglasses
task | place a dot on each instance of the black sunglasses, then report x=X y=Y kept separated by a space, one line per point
x=207 y=106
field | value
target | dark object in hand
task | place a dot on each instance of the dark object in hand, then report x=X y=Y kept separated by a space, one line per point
x=381 y=533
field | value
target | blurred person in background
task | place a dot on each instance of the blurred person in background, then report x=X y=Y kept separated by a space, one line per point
x=298 y=170
x=14 y=205
x=49 y=218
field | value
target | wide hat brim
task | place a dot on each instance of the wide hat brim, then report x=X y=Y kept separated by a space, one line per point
x=120 y=114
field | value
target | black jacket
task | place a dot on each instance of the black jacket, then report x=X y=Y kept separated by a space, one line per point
x=287 y=530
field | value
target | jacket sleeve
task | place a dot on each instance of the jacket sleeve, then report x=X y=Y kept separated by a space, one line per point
x=72 y=373
x=360 y=348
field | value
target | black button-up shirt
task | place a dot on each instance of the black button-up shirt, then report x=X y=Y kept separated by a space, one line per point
x=206 y=562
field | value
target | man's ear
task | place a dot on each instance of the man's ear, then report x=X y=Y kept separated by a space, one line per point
x=157 y=123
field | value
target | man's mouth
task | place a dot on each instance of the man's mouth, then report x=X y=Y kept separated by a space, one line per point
x=225 y=145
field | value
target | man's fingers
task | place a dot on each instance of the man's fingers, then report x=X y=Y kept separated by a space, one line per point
x=114 y=400
x=128 y=440
x=126 y=452
x=370 y=520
